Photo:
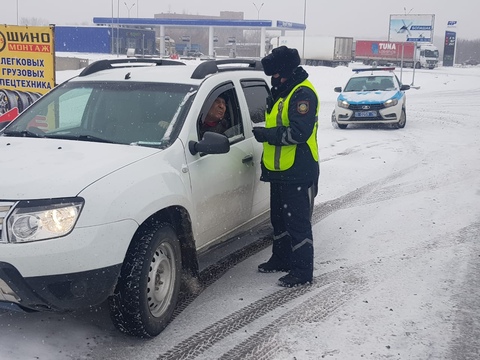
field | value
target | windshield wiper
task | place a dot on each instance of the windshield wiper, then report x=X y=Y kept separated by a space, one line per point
x=23 y=133
x=81 y=138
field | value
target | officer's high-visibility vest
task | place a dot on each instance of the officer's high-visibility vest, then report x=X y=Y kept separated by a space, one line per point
x=281 y=158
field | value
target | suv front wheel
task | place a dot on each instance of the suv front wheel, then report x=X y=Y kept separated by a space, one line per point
x=149 y=283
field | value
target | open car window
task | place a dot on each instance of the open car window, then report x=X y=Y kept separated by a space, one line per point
x=232 y=122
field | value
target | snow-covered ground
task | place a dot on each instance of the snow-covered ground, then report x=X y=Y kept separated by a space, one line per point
x=396 y=234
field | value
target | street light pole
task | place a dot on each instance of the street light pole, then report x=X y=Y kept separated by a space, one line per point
x=258 y=18
x=258 y=9
x=17 y=12
x=129 y=8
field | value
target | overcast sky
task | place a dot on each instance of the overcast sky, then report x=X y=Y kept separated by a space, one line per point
x=355 y=18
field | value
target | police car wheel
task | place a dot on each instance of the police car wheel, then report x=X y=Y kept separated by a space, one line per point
x=403 y=120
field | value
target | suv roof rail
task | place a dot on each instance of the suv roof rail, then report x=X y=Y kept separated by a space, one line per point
x=124 y=63
x=209 y=67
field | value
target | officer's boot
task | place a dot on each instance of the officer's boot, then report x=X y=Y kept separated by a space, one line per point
x=281 y=255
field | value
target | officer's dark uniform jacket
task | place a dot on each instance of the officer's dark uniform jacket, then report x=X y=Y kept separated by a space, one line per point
x=291 y=153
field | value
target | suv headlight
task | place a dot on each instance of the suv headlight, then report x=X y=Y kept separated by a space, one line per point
x=390 y=102
x=343 y=104
x=43 y=219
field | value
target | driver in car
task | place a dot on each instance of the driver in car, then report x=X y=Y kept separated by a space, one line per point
x=215 y=119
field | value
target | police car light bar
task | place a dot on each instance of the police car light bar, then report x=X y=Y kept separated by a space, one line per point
x=374 y=69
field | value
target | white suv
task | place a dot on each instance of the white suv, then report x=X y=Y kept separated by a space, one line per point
x=371 y=96
x=107 y=191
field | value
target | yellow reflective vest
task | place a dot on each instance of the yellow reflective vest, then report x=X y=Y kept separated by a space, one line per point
x=281 y=158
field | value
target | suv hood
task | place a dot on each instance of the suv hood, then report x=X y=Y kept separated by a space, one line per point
x=48 y=168
x=367 y=97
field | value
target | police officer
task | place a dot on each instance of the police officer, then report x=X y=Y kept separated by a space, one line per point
x=290 y=164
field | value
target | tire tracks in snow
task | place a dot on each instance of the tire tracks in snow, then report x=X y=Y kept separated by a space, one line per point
x=318 y=301
x=350 y=283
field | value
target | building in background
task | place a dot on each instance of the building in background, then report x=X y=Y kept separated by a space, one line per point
x=104 y=39
x=195 y=39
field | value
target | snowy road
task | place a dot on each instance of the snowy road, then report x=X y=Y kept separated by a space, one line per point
x=397 y=223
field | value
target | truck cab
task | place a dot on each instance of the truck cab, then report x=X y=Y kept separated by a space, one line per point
x=427 y=56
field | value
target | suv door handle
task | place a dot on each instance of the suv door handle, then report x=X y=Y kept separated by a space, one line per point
x=247 y=159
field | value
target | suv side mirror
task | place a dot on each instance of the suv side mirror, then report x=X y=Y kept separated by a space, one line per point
x=211 y=143
x=338 y=89
x=404 y=87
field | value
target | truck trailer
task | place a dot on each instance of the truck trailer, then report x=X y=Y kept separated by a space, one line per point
x=373 y=52
x=319 y=50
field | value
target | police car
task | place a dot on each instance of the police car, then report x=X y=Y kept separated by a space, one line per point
x=371 y=96
x=109 y=190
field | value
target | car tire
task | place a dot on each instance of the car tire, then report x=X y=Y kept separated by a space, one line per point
x=335 y=124
x=403 y=120
x=8 y=101
x=22 y=100
x=147 y=291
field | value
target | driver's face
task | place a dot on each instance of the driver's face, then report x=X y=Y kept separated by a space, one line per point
x=217 y=110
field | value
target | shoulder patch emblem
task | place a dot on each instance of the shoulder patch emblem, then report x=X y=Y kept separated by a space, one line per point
x=303 y=107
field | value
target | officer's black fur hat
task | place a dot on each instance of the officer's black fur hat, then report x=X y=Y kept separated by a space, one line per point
x=281 y=60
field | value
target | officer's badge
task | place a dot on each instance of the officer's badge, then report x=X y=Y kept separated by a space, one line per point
x=303 y=107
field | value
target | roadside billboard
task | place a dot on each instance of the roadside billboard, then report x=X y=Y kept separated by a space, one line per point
x=27 y=65
x=411 y=28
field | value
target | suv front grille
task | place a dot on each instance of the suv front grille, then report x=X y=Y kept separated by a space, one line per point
x=4 y=209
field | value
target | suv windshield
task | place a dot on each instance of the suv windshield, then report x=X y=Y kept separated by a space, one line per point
x=147 y=114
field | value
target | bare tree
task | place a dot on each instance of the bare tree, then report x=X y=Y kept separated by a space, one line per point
x=33 y=21
x=468 y=51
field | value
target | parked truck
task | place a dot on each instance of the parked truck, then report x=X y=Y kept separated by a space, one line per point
x=370 y=52
x=319 y=50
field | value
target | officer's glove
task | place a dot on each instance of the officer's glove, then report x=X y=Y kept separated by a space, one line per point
x=260 y=133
